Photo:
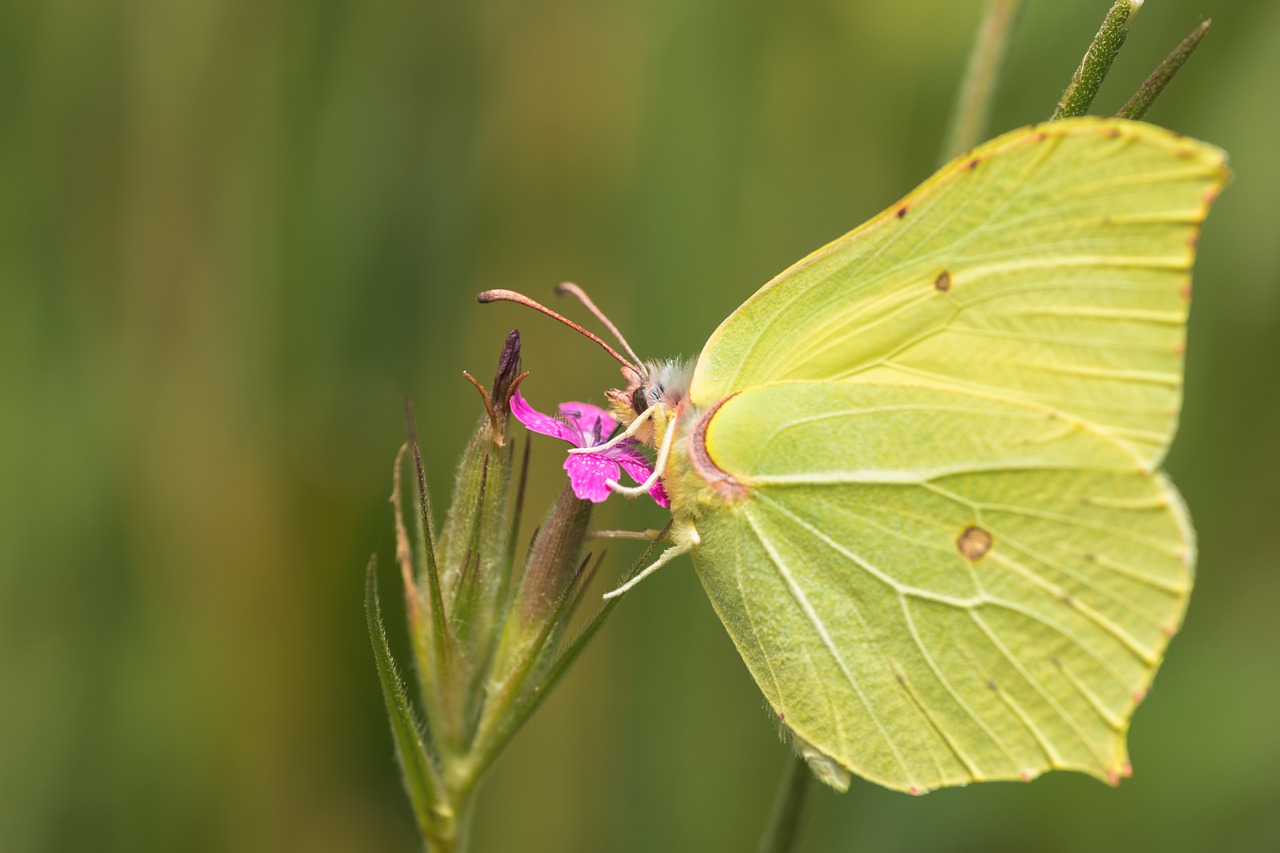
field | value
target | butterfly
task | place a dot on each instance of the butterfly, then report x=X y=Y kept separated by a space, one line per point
x=918 y=472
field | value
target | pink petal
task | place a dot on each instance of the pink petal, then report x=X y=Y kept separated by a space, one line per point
x=632 y=461
x=595 y=424
x=540 y=423
x=588 y=473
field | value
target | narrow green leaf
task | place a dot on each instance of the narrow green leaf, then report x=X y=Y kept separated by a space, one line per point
x=1146 y=95
x=426 y=540
x=496 y=742
x=1097 y=60
x=533 y=698
x=404 y=554
x=469 y=619
x=972 y=111
x=421 y=778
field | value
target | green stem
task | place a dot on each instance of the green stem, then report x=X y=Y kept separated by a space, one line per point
x=1097 y=60
x=452 y=830
x=783 y=829
x=1146 y=95
x=972 y=111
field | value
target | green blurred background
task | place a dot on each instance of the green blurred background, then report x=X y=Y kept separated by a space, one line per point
x=233 y=235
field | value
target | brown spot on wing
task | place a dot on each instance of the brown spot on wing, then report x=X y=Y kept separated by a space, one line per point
x=973 y=543
x=943 y=281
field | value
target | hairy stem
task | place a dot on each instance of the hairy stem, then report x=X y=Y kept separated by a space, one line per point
x=1097 y=60
x=1146 y=95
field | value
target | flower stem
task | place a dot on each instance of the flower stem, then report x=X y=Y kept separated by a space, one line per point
x=1097 y=60
x=783 y=830
x=452 y=832
x=972 y=111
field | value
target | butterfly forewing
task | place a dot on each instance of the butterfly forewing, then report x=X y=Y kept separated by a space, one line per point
x=1050 y=266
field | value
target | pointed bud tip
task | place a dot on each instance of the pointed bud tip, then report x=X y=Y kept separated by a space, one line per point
x=508 y=376
x=509 y=360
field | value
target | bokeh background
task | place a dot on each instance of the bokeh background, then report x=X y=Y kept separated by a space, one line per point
x=234 y=234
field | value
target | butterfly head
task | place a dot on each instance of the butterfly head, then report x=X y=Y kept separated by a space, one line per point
x=658 y=385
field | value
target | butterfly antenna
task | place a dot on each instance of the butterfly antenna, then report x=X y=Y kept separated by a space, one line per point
x=581 y=295
x=500 y=295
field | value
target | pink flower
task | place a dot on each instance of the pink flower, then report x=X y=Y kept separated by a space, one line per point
x=585 y=425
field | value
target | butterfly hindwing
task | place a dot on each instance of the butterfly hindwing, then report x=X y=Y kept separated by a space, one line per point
x=935 y=586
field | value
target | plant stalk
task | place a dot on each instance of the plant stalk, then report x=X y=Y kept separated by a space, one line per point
x=972 y=112
x=1097 y=60
x=783 y=830
x=1146 y=95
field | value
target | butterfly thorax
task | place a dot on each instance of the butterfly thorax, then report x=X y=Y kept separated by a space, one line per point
x=663 y=384
x=693 y=479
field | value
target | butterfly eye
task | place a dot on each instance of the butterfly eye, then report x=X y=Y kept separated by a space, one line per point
x=640 y=399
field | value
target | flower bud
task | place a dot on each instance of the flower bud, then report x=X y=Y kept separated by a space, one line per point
x=555 y=560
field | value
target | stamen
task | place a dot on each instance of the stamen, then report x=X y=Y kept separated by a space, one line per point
x=500 y=295
x=573 y=290
x=630 y=431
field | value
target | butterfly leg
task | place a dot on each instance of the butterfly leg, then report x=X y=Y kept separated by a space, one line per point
x=644 y=535
x=659 y=464
x=684 y=544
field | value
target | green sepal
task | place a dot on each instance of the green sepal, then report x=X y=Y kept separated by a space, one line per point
x=473 y=544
